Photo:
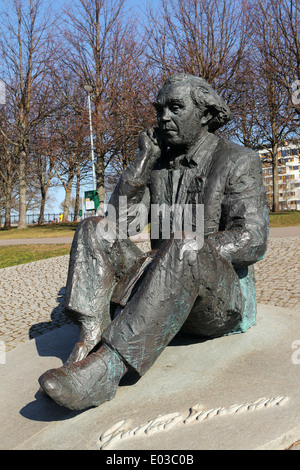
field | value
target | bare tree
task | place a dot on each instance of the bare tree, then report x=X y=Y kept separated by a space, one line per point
x=202 y=37
x=94 y=35
x=273 y=110
x=8 y=169
x=132 y=94
x=25 y=53
x=69 y=137
x=43 y=149
x=283 y=20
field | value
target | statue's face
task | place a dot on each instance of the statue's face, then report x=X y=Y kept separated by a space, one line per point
x=179 y=119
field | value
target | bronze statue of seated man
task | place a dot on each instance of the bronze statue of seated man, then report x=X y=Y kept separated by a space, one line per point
x=129 y=304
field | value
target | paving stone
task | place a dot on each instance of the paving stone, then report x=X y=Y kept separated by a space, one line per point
x=31 y=295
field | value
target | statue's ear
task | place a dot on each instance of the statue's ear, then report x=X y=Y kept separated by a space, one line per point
x=208 y=115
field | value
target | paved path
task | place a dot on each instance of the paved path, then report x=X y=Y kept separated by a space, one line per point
x=58 y=240
x=31 y=295
x=36 y=241
x=285 y=231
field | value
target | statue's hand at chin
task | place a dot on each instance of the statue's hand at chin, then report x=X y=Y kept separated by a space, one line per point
x=150 y=142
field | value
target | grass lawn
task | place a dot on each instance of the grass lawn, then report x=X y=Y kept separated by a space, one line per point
x=20 y=254
x=284 y=219
x=40 y=231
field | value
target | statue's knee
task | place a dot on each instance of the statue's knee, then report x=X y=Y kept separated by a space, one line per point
x=83 y=223
x=88 y=223
x=88 y=231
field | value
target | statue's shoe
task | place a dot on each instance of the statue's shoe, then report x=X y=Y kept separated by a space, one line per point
x=87 y=383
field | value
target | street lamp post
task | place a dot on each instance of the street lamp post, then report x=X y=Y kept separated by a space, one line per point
x=89 y=89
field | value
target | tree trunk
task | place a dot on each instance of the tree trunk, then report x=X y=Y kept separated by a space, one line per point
x=22 y=190
x=67 y=200
x=8 y=184
x=8 y=203
x=42 y=208
x=77 y=197
x=100 y=179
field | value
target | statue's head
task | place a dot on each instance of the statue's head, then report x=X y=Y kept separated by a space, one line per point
x=186 y=105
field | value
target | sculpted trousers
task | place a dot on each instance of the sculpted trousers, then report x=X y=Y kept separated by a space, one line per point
x=153 y=296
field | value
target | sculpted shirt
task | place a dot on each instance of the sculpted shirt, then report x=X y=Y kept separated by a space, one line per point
x=223 y=176
x=181 y=182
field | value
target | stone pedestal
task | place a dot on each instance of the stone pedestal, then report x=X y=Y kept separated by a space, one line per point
x=235 y=392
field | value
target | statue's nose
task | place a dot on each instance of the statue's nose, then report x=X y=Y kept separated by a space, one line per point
x=166 y=115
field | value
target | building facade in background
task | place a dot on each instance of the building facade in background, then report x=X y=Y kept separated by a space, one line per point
x=289 y=179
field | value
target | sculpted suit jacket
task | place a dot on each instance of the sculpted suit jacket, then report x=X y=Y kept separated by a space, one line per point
x=227 y=179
